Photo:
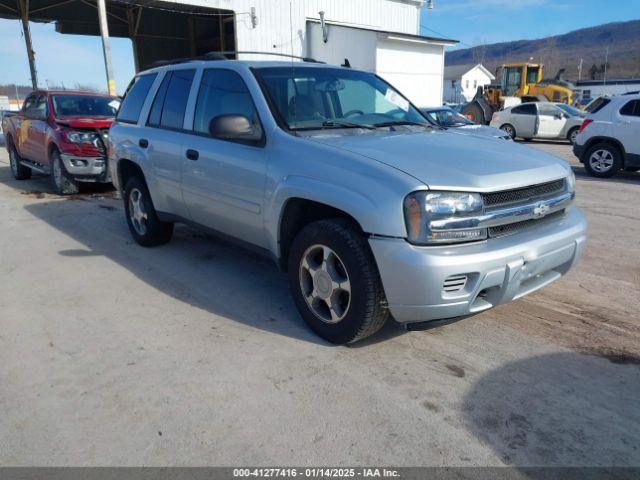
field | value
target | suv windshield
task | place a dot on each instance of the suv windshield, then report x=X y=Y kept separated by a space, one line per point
x=64 y=105
x=307 y=98
x=446 y=117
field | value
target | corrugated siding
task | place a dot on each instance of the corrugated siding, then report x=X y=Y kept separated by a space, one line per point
x=279 y=20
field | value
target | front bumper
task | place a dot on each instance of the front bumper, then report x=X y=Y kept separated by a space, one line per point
x=497 y=271
x=86 y=169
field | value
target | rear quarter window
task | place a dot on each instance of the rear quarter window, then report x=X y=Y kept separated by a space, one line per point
x=135 y=96
x=597 y=105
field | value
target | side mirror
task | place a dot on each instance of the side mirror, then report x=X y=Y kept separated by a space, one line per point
x=234 y=127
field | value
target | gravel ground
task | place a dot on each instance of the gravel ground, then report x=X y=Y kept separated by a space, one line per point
x=193 y=353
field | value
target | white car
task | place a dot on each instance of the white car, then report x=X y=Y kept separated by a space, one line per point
x=539 y=120
x=609 y=139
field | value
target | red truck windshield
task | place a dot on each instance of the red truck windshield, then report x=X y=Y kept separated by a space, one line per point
x=64 y=105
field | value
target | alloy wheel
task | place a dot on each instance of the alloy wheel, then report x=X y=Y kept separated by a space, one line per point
x=325 y=284
x=137 y=212
x=573 y=136
x=601 y=161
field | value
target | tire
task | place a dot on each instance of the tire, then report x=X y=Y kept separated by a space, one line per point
x=19 y=171
x=474 y=111
x=509 y=129
x=359 y=312
x=62 y=182
x=573 y=133
x=603 y=160
x=145 y=226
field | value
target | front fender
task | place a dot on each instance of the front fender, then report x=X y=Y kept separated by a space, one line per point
x=375 y=213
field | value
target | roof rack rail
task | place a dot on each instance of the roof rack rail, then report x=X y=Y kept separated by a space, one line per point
x=224 y=56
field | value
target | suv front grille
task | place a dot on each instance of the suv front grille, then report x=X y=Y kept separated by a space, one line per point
x=513 y=228
x=523 y=195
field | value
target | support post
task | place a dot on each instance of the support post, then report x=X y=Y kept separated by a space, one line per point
x=133 y=21
x=24 y=18
x=191 y=28
x=106 y=48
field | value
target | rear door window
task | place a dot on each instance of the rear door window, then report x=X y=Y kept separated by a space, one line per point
x=134 y=98
x=526 y=109
x=155 y=113
x=175 y=101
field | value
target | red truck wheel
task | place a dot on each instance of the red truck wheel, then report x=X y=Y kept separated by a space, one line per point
x=19 y=171
x=63 y=183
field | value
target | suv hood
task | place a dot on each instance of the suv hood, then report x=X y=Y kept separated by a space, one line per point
x=82 y=121
x=452 y=161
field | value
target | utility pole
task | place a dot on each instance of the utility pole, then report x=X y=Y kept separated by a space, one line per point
x=580 y=70
x=606 y=60
x=106 y=48
x=24 y=18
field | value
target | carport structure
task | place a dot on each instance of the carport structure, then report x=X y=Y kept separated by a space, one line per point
x=158 y=30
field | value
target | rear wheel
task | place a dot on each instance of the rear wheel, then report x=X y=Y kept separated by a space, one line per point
x=145 y=226
x=509 y=129
x=63 y=183
x=603 y=160
x=19 y=171
x=335 y=282
x=573 y=134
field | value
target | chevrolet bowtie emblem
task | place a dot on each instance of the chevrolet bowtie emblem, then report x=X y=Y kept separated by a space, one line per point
x=540 y=210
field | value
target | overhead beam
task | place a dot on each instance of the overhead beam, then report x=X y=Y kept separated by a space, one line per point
x=23 y=6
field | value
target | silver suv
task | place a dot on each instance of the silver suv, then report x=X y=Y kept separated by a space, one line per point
x=371 y=210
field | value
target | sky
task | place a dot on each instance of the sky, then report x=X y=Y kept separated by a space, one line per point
x=473 y=22
x=477 y=22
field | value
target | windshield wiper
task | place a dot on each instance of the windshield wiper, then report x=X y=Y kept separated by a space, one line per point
x=345 y=124
x=392 y=123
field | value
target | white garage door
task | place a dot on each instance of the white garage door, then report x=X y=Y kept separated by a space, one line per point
x=414 y=68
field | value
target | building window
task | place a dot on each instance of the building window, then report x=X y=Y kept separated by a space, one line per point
x=475 y=84
x=586 y=94
x=466 y=84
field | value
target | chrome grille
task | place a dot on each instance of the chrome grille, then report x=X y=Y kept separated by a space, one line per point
x=513 y=228
x=523 y=195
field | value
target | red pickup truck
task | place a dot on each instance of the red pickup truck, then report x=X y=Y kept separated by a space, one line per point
x=61 y=134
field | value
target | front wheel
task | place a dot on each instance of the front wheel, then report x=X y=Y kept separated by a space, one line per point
x=603 y=160
x=145 y=226
x=335 y=282
x=62 y=182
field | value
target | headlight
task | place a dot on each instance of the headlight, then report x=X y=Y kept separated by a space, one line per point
x=81 y=137
x=421 y=208
x=571 y=181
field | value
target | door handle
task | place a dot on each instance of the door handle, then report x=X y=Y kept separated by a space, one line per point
x=143 y=142
x=192 y=154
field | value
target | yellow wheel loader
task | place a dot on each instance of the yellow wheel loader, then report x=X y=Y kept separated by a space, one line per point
x=517 y=80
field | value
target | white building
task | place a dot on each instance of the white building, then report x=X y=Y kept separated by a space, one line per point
x=461 y=82
x=586 y=90
x=380 y=36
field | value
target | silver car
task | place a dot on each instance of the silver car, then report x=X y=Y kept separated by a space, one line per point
x=548 y=120
x=448 y=118
x=333 y=173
